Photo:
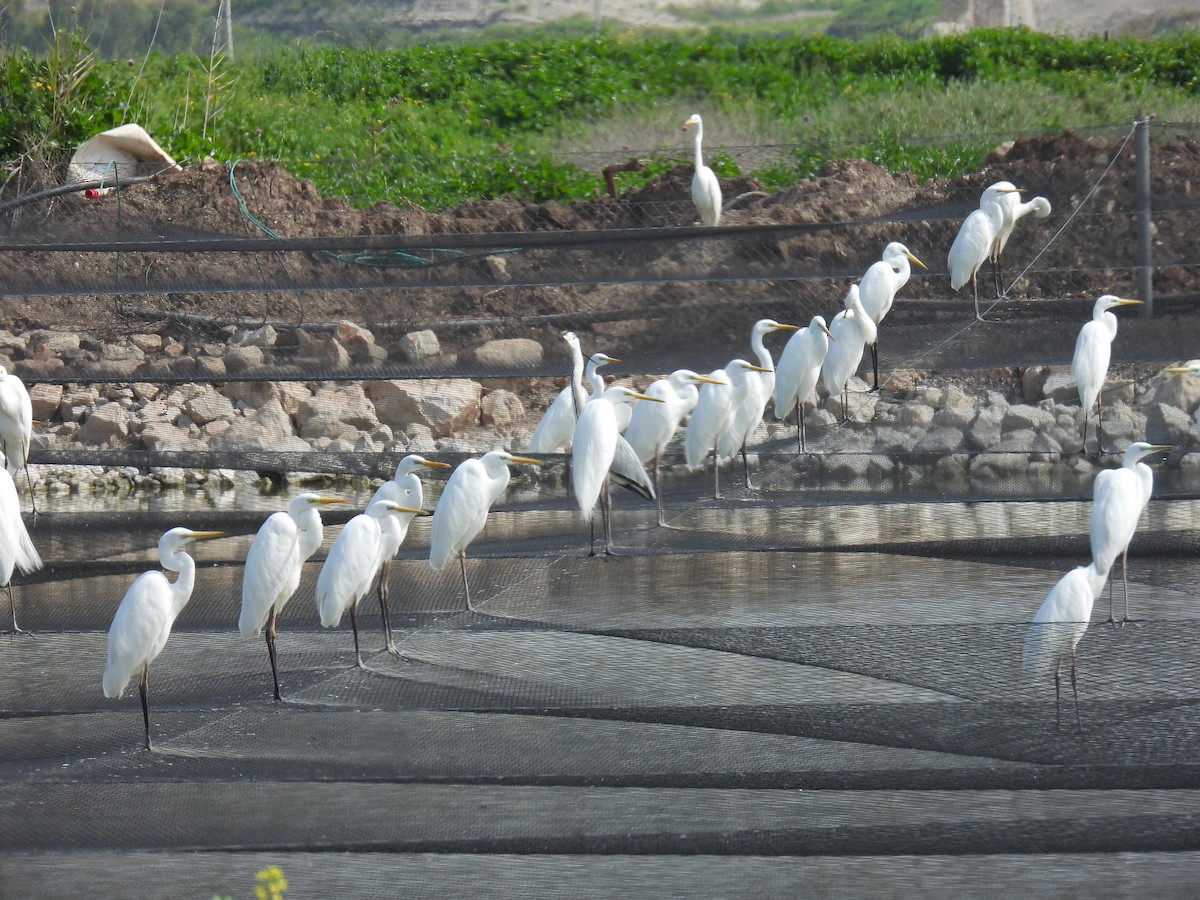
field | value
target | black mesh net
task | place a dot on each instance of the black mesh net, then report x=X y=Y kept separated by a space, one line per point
x=817 y=681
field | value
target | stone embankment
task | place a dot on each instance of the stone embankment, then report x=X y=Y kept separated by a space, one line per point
x=984 y=434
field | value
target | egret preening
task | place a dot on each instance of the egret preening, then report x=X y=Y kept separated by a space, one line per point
x=1014 y=210
x=1118 y=498
x=850 y=331
x=711 y=417
x=282 y=546
x=353 y=561
x=143 y=621
x=976 y=238
x=593 y=450
x=706 y=189
x=1089 y=365
x=878 y=288
x=462 y=509
x=1057 y=627
x=16 y=547
x=799 y=370
x=406 y=489
x=553 y=432
x=652 y=425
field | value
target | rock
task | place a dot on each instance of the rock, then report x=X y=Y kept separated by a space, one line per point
x=323 y=352
x=346 y=402
x=77 y=402
x=1167 y=424
x=107 y=424
x=443 y=405
x=114 y=351
x=270 y=428
x=914 y=415
x=419 y=439
x=162 y=435
x=210 y=368
x=501 y=409
x=1060 y=387
x=955 y=417
x=328 y=427
x=53 y=342
x=145 y=391
x=985 y=430
x=291 y=394
x=509 y=353
x=207 y=407
x=46 y=400
x=243 y=359
x=1025 y=417
x=252 y=394
x=264 y=337
x=147 y=343
x=1174 y=389
x=939 y=440
x=418 y=345
x=359 y=342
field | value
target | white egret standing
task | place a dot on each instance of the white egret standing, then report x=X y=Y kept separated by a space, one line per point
x=554 y=430
x=706 y=189
x=462 y=509
x=16 y=426
x=747 y=414
x=975 y=239
x=799 y=370
x=353 y=561
x=878 y=288
x=851 y=330
x=1057 y=627
x=404 y=488
x=1089 y=365
x=652 y=425
x=593 y=450
x=1118 y=498
x=1014 y=210
x=16 y=547
x=713 y=412
x=274 y=563
x=143 y=621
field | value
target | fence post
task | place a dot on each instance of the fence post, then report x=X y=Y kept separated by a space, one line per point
x=1145 y=246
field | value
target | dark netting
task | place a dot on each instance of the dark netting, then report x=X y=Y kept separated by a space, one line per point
x=817 y=681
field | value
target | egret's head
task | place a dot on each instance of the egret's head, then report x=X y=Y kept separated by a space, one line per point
x=602 y=359
x=175 y=539
x=1139 y=450
x=1191 y=367
x=693 y=119
x=1109 y=301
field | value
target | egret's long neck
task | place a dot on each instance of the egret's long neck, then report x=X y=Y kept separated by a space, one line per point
x=594 y=378
x=1146 y=479
x=699 y=141
x=866 y=325
x=761 y=351
x=311 y=532
x=1110 y=324
x=577 y=390
x=181 y=590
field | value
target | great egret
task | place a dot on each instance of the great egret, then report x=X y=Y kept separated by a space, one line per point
x=593 y=450
x=1089 y=365
x=976 y=238
x=284 y=542
x=462 y=510
x=1191 y=367
x=711 y=417
x=16 y=425
x=143 y=621
x=1014 y=210
x=353 y=561
x=851 y=330
x=652 y=425
x=406 y=489
x=1057 y=627
x=747 y=414
x=1118 y=498
x=16 y=547
x=706 y=189
x=878 y=288
x=554 y=430
x=799 y=370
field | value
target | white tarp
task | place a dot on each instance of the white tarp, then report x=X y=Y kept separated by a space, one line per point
x=125 y=150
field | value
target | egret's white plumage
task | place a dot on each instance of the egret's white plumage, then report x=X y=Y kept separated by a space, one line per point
x=1118 y=498
x=16 y=421
x=879 y=285
x=851 y=330
x=144 y=618
x=975 y=239
x=1059 y=624
x=1014 y=210
x=554 y=430
x=1089 y=365
x=652 y=425
x=1191 y=367
x=16 y=547
x=799 y=370
x=274 y=563
x=706 y=189
x=353 y=561
x=406 y=489
x=462 y=509
x=713 y=413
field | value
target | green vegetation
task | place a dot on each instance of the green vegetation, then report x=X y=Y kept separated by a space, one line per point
x=537 y=118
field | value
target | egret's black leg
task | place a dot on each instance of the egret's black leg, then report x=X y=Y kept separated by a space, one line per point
x=143 y=687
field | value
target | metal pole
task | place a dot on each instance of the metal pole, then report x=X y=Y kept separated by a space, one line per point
x=1145 y=227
